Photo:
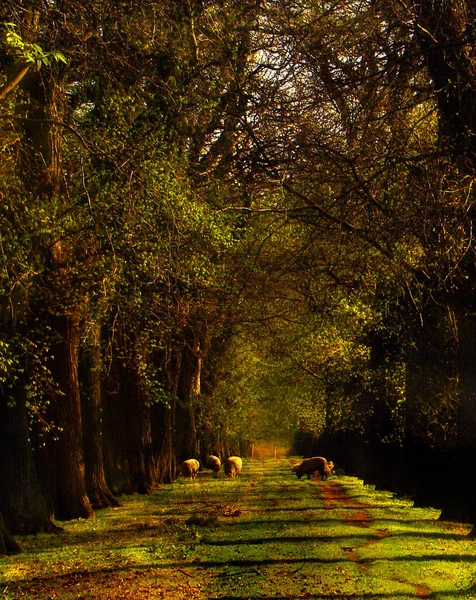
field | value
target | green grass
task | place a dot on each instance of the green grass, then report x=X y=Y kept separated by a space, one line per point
x=263 y=535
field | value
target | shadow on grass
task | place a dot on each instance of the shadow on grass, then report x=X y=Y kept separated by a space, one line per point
x=375 y=522
x=315 y=509
x=235 y=563
x=110 y=535
x=114 y=536
x=241 y=563
x=323 y=539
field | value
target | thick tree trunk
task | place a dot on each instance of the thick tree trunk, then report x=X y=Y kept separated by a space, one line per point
x=448 y=43
x=188 y=389
x=462 y=506
x=163 y=418
x=91 y=411
x=59 y=301
x=7 y=544
x=71 y=500
x=128 y=424
x=21 y=500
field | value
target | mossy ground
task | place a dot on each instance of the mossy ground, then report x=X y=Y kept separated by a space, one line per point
x=263 y=535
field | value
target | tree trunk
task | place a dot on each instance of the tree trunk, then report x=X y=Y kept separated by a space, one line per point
x=21 y=500
x=448 y=43
x=162 y=436
x=59 y=299
x=7 y=544
x=188 y=389
x=163 y=418
x=129 y=424
x=98 y=491
x=70 y=488
x=467 y=362
x=462 y=505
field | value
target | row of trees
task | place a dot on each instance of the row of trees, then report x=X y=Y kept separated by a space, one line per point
x=225 y=220
x=117 y=125
x=389 y=144
x=366 y=143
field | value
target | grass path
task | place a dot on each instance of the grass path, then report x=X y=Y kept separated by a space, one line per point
x=264 y=535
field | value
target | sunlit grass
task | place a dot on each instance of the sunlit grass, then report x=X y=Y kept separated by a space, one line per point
x=263 y=535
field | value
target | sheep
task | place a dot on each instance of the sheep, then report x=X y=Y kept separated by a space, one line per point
x=309 y=465
x=233 y=466
x=213 y=463
x=189 y=468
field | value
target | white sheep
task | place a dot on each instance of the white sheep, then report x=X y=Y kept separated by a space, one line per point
x=233 y=466
x=189 y=468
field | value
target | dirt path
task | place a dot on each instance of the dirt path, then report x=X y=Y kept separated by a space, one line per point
x=334 y=497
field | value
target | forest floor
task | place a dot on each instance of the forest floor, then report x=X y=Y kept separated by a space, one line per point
x=264 y=535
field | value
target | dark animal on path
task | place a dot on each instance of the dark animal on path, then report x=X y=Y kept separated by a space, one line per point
x=310 y=465
x=233 y=466
x=189 y=468
x=213 y=463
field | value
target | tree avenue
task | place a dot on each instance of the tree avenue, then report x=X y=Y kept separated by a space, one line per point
x=230 y=221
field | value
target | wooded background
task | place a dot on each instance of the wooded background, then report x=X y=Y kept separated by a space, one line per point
x=230 y=221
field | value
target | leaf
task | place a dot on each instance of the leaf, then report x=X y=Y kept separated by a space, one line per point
x=60 y=57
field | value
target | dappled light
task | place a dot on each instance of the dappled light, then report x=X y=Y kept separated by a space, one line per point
x=212 y=538
x=237 y=297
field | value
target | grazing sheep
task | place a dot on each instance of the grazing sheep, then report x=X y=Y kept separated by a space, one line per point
x=214 y=463
x=233 y=466
x=310 y=465
x=189 y=468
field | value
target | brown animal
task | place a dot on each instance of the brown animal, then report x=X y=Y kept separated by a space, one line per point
x=233 y=466
x=189 y=468
x=310 y=465
x=214 y=463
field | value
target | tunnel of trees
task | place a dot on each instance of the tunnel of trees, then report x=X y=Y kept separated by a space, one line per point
x=224 y=221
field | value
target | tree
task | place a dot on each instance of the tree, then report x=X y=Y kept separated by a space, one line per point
x=92 y=406
x=24 y=506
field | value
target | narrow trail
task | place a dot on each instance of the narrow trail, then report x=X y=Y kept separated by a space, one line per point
x=334 y=496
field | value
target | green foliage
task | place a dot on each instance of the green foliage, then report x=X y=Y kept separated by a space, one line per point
x=8 y=364
x=294 y=376
x=27 y=52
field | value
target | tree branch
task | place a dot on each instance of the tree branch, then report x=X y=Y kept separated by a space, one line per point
x=8 y=87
